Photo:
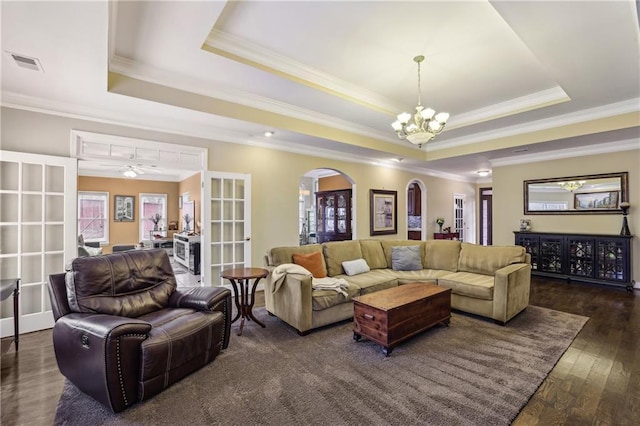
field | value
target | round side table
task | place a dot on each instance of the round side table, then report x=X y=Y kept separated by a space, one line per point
x=244 y=295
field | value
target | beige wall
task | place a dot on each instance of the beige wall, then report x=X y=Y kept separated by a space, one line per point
x=128 y=232
x=508 y=202
x=275 y=177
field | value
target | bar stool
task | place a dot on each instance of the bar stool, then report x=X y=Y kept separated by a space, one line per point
x=10 y=286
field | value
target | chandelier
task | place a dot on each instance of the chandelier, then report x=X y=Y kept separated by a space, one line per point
x=426 y=123
x=571 y=185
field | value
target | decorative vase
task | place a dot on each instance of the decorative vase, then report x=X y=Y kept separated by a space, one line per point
x=155 y=226
x=440 y=228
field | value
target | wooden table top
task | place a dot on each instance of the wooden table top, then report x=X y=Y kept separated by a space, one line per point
x=398 y=296
x=244 y=273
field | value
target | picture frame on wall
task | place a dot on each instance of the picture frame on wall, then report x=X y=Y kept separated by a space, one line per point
x=383 y=212
x=124 y=208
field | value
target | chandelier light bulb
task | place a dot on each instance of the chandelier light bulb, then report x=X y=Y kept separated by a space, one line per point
x=426 y=123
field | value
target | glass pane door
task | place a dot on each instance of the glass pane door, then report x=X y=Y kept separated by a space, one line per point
x=37 y=231
x=227 y=213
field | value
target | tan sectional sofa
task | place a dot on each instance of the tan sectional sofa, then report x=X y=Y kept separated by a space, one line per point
x=491 y=281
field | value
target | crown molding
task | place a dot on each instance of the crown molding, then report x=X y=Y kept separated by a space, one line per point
x=241 y=50
x=605 y=111
x=27 y=103
x=138 y=71
x=525 y=103
x=604 y=148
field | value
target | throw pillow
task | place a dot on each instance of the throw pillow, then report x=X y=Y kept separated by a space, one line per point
x=93 y=251
x=406 y=258
x=355 y=267
x=313 y=262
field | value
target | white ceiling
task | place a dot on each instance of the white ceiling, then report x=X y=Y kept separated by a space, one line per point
x=519 y=78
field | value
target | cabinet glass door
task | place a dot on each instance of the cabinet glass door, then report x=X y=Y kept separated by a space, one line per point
x=342 y=214
x=330 y=215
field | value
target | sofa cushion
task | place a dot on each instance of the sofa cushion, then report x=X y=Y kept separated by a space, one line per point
x=323 y=299
x=355 y=267
x=469 y=284
x=377 y=279
x=406 y=258
x=423 y=275
x=373 y=253
x=180 y=341
x=488 y=259
x=387 y=246
x=279 y=255
x=336 y=252
x=442 y=254
x=313 y=262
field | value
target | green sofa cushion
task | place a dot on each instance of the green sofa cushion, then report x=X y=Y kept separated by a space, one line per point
x=373 y=253
x=487 y=260
x=279 y=255
x=336 y=252
x=442 y=254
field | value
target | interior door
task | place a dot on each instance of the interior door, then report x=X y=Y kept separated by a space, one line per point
x=226 y=234
x=37 y=231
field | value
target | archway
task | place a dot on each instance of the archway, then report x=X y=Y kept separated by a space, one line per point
x=416 y=210
x=326 y=211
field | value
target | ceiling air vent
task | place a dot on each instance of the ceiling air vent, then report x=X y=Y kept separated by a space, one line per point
x=27 y=62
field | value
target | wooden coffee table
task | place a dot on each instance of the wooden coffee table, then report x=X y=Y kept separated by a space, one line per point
x=391 y=316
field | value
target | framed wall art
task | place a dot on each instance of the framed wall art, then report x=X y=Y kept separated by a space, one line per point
x=383 y=210
x=124 y=208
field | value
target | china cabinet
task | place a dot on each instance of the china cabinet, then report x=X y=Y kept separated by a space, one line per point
x=600 y=259
x=333 y=215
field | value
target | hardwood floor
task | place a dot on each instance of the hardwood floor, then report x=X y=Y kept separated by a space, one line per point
x=597 y=381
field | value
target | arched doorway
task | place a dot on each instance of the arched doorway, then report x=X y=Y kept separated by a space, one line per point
x=416 y=210
x=326 y=210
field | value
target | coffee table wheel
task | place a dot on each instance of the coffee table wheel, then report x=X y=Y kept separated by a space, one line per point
x=386 y=351
x=356 y=336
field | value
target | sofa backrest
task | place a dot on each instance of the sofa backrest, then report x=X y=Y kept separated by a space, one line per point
x=387 y=246
x=128 y=284
x=373 y=254
x=336 y=252
x=279 y=255
x=488 y=259
x=442 y=254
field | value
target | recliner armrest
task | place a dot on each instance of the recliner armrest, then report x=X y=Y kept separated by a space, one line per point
x=198 y=298
x=203 y=299
x=88 y=346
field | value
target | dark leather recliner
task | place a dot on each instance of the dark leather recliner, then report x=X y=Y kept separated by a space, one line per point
x=124 y=331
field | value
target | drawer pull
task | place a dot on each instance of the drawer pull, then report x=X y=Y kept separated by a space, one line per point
x=368 y=316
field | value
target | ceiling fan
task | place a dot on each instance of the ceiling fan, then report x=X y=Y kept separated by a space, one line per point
x=132 y=170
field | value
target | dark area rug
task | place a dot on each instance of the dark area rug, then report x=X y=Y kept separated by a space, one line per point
x=471 y=373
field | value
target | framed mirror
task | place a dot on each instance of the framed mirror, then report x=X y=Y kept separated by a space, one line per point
x=587 y=194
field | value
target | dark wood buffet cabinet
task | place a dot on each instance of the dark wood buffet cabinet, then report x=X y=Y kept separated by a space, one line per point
x=593 y=258
x=333 y=219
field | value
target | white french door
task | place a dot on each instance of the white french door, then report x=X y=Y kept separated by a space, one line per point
x=37 y=231
x=458 y=215
x=226 y=229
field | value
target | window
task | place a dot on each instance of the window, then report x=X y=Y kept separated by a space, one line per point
x=152 y=206
x=93 y=216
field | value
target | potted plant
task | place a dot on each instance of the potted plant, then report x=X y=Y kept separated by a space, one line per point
x=155 y=218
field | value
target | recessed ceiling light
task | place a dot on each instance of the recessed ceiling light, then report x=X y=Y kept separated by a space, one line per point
x=483 y=173
x=269 y=133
